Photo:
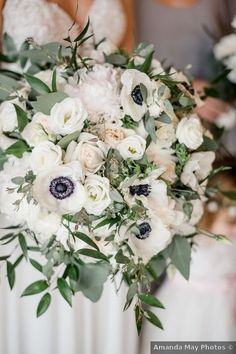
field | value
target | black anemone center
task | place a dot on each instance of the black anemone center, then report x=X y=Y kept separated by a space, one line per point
x=61 y=187
x=141 y=189
x=144 y=231
x=137 y=96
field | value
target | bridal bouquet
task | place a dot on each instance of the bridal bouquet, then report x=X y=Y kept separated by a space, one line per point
x=104 y=170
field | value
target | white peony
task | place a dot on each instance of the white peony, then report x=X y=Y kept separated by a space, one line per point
x=190 y=132
x=98 y=194
x=44 y=156
x=165 y=134
x=60 y=189
x=197 y=169
x=132 y=100
x=132 y=147
x=89 y=151
x=37 y=130
x=67 y=116
x=99 y=90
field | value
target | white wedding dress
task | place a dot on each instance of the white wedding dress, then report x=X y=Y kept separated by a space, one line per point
x=88 y=328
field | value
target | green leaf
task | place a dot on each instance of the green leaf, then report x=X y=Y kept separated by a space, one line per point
x=22 y=118
x=44 y=304
x=11 y=274
x=156 y=266
x=208 y=144
x=151 y=317
x=35 y=288
x=181 y=255
x=86 y=239
x=164 y=118
x=147 y=63
x=9 y=47
x=150 y=300
x=92 y=277
x=66 y=140
x=8 y=86
x=83 y=32
x=36 y=265
x=145 y=48
x=18 y=180
x=120 y=258
x=149 y=124
x=229 y=194
x=92 y=253
x=45 y=102
x=139 y=318
x=54 y=80
x=23 y=245
x=93 y=293
x=116 y=59
x=3 y=159
x=186 y=101
x=25 y=46
x=17 y=149
x=65 y=290
x=37 y=84
x=132 y=291
x=188 y=209
x=73 y=274
x=4 y=258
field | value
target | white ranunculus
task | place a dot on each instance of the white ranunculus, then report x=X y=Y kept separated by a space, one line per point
x=46 y=77
x=225 y=47
x=98 y=194
x=89 y=151
x=151 y=237
x=197 y=169
x=8 y=116
x=67 y=116
x=190 y=132
x=166 y=135
x=99 y=90
x=60 y=189
x=44 y=224
x=132 y=147
x=37 y=130
x=44 y=156
x=132 y=100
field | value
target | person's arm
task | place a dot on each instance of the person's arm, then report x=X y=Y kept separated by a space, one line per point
x=128 y=42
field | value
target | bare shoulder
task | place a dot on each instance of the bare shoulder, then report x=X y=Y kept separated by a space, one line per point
x=2 y=3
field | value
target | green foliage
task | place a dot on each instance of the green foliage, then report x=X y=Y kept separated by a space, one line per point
x=11 y=274
x=38 y=85
x=21 y=117
x=17 y=149
x=66 y=140
x=150 y=300
x=180 y=255
x=35 y=288
x=65 y=290
x=45 y=102
x=44 y=304
x=129 y=123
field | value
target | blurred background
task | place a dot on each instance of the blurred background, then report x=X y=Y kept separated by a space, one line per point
x=185 y=34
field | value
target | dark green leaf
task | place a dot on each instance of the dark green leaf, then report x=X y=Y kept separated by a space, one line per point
x=18 y=260
x=44 y=304
x=65 y=290
x=11 y=274
x=36 y=265
x=86 y=239
x=120 y=258
x=229 y=194
x=208 y=144
x=147 y=63
x=35 y=288
x=17 y=149
x=22 y=118
x=92 y=253
x=23 y=245
x=37 y=84
x=4 y=258
x=83 y=32
x=151 y=317
x=138 y=318
x=150 y=300
x=181 y=255
x=54 y=81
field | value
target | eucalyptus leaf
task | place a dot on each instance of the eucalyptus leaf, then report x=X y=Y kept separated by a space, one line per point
x=66 y=140
x=181 y=255
x=45 y=102
x=37 y=84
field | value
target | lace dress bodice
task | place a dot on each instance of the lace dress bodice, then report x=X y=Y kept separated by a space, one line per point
x=47 y=22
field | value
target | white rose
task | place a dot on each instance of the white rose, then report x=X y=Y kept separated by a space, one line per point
x=90 y=152
x=8 y=116
x=44 y=156
x=190 y=132
x=99 y=90
x=197 y=169
x=67 y=116
x=98 y=197
x=37 y=130
x=60 y=189
x=132 y=100
x=132 y=147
